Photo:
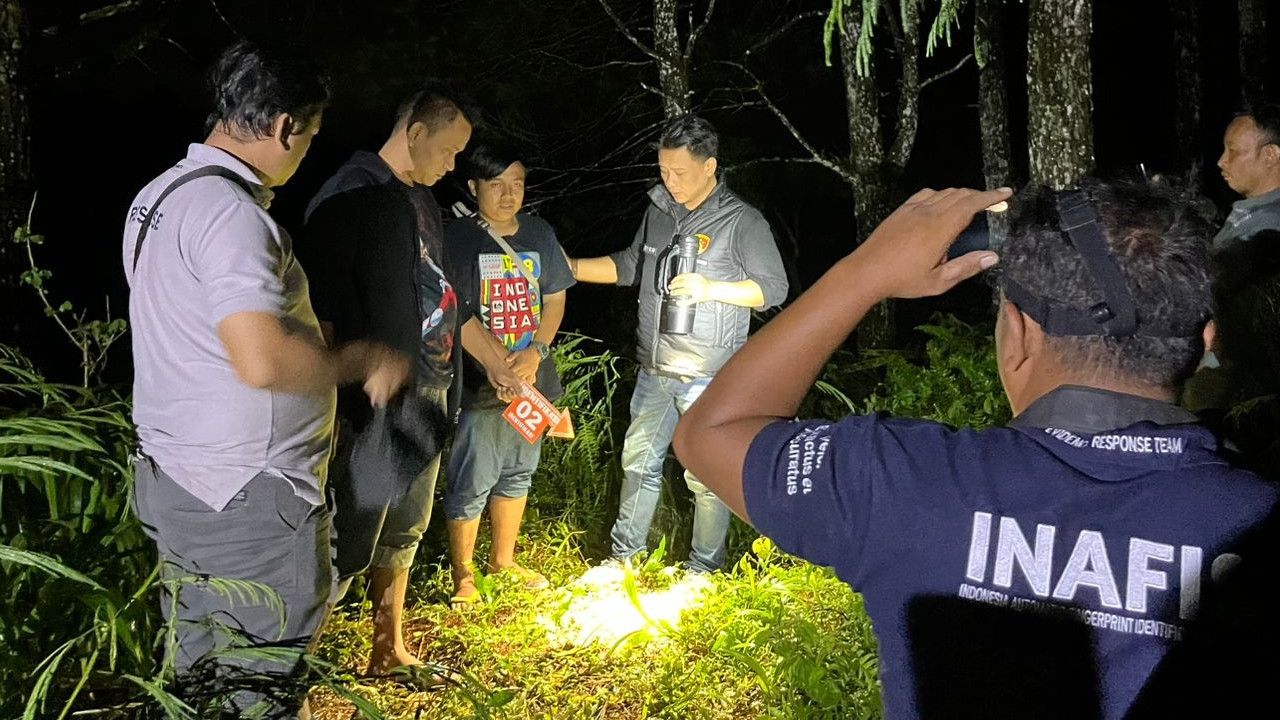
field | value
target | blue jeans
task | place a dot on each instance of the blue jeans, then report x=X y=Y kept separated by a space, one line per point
x=656 y=405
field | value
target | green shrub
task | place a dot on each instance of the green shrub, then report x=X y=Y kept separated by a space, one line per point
x=580 y=478
x=80 y=627
x=957 y=383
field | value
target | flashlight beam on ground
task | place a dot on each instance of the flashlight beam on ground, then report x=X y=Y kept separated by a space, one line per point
x=600 y=610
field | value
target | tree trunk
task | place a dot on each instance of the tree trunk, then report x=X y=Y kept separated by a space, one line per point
x=871 y=202
x=673 y=75
x=1186 y=119
x=907 y=40
x=993 y=106
x=15 y=169
x=1253 y=50
x=878 y=165
x=866 y=148
x=1060 y=90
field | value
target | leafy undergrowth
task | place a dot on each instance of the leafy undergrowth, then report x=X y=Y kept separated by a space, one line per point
x=772 y=637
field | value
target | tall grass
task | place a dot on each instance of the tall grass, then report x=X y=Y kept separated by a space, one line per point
x=80 y=628
x=579 y=479
x=64 y=489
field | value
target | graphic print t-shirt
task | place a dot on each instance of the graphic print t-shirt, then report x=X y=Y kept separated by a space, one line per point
x=1103 y=543
x=374 y=248
x=509 y=306
x=438 y=302
x=491 y=287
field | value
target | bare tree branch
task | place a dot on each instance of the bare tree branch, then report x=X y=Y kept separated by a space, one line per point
x=816 y=156
x=784 y=28
x=179 y=47
x=110 y=10
x=763 y=160
x=697 y=30
x=592 y=68
x=92 y=16
x=626 y=32
x=929 y=81
x=218 y=11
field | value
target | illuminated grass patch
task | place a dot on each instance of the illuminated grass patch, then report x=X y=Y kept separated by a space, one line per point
x=772 y=637
x=605 y=607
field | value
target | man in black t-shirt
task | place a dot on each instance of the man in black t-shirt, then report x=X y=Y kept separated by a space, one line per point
x=517 y=293
x=374 y=250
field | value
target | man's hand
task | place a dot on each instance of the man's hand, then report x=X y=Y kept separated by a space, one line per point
x=525 y=364
x=691 y=285
x=504 y=380
x=743 y=293
x=386 y=372
x=909 y=249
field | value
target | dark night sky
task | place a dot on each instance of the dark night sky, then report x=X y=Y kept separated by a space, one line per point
x=105 y=122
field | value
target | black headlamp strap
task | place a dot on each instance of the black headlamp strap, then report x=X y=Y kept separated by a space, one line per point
x=1117 y=315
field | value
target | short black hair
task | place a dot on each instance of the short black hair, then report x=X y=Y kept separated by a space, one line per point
x=431 y=105
x=488 y=160
x=252 y=85
x=1162 y=248
x=1267 y=117
x=692 y=132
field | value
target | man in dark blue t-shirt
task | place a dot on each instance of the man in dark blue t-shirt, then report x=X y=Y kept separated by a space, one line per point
x=512 y=275
x=1044 y=569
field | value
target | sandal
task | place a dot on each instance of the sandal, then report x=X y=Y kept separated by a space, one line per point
x=461 y=599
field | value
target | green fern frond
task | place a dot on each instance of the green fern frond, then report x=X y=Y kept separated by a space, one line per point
x=948 y=17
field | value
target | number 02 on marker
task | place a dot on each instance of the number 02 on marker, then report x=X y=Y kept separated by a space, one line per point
x=531 y=414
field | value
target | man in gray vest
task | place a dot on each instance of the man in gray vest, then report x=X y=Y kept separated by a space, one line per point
x=233 y=385
x=1250 y=164
x=737 y=269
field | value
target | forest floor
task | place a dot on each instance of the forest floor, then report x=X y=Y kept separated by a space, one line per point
x=769 y=637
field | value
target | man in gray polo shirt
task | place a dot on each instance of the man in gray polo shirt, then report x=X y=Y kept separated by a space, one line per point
x=1250 y=164
x=233 y=388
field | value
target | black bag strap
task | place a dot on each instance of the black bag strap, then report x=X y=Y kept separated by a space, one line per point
x=206 y=171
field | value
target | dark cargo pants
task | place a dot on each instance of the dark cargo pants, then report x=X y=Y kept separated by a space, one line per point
x=267 y=535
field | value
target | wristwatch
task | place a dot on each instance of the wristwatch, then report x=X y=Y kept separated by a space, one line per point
x=541 y=347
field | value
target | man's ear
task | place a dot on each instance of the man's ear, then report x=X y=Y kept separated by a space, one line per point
x=709 y=167
x=416 y=131
x=282 y=129
x=1018 y=341
x=471 y=185
x=1271 y=153
x=1210 y=335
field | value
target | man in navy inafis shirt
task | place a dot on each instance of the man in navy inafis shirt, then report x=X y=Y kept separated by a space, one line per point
x=1045 y=569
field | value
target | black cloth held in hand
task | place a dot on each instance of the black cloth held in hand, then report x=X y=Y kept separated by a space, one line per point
x=393 y=449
